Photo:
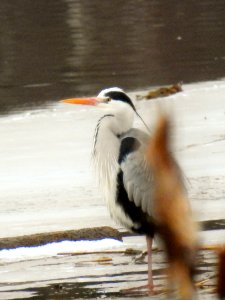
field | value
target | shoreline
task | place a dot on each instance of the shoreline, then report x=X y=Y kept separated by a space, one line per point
x=83 y=234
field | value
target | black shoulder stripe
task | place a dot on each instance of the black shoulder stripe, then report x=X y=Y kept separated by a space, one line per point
x=135 y=213
x=128 y=145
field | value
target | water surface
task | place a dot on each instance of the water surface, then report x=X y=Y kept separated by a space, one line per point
x=59 y=48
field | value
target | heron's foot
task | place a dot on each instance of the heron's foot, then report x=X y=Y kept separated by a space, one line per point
x=139 y=259
x=147 y=289
x=155 y=290
x=201 y=283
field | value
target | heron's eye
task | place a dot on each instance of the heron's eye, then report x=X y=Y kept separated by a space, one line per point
x=107 y=99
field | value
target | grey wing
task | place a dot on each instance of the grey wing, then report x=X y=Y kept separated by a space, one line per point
x=137 y=175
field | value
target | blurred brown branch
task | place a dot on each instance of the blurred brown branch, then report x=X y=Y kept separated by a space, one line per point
x=172 y=212
x=161 y=92
x=221 y=273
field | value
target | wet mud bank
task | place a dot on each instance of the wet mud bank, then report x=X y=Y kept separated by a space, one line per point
x=40 y=239
x=91 y=234
x=104 y=274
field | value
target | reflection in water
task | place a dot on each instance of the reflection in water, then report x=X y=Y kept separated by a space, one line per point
x=59 y=48
x=76 y=277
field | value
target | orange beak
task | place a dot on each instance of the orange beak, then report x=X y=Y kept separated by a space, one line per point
x=82 y=101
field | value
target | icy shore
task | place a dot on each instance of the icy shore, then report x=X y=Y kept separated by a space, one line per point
x=45 y=170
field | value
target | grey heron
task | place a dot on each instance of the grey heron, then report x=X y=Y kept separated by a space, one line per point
x=119 y=154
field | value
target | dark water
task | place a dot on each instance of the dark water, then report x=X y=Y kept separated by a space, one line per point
x=59 y=48
x=85 y=277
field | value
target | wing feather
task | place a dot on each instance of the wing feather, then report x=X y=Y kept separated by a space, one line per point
x=137 y=175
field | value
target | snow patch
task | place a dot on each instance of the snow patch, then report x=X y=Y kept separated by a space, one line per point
x=52 y=249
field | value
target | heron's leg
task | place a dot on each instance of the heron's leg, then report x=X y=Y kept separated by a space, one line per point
x=150 y=285
x=149 y=241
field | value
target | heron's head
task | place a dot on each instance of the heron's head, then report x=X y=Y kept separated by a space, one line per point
x=116 y=99
x=112 y=99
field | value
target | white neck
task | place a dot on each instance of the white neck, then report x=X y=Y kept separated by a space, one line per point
x=107 y=144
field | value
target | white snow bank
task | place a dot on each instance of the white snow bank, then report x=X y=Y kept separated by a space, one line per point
x=24 y=253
